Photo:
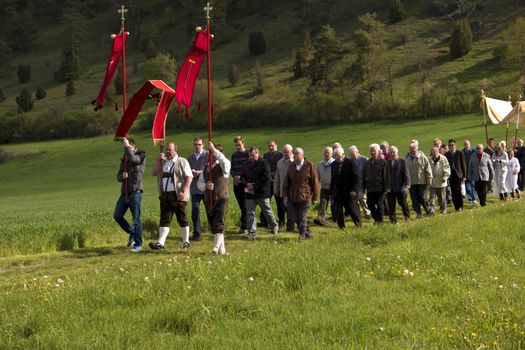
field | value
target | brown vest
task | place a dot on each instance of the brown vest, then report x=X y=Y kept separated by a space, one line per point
x=220 y=183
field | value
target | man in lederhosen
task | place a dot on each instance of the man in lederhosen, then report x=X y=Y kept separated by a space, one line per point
x=174 y=178
x=216 y=194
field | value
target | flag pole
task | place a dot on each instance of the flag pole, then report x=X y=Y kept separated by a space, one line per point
x=122 y=12
x=517 y=121
x=208 y=8
x=509 y=98
x=484 y=115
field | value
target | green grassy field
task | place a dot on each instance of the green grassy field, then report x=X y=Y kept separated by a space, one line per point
x=67 y=280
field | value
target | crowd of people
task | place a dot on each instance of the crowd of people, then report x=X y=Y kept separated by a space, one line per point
x=346 y=184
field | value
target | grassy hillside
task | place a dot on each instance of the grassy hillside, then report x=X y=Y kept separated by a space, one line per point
x=420 y=36
x=68 y=282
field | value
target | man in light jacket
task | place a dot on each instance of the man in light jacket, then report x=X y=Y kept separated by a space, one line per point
x=440 y=174
x=480 y=171
x=280 y=175
x=420 y=177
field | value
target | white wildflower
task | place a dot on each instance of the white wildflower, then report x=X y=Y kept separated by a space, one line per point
x=250 y=279
x=146 y=279
x=406 y=272
x=57 y=285
x=500 y=286
x=60 y=280
x=411 y=274
x=514 y=285
x=381 y=329
x=368 y=259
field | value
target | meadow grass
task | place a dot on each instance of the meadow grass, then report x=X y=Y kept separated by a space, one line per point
x=67 y=281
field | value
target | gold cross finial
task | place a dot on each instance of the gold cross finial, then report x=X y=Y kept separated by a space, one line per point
x=122 y=12
x=208 y=8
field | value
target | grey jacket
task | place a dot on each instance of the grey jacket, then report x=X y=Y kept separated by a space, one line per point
x=324 y=173
x=480 y=170
x=136 y=164
x=197 y=165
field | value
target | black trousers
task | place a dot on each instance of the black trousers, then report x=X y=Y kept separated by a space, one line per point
x=521 y=179
x=481 y=190
x=401 y=199
x=348 y=205
x=216 y=215
x=239 y=195
x=375 y=202
x=455 y=187
x=418 y=194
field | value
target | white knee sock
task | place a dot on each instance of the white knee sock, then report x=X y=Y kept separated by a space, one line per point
x=163 y=234
x=216 y=243
x=222 y=248
x=185 y=234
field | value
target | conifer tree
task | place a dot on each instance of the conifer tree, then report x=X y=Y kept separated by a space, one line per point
x=461 y=39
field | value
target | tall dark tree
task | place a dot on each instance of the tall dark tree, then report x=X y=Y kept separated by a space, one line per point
x=70 y=88
x=303 y=56
x=397 y=11
x=24 y=73
x=234 y=75
x=24 y=100
x=461 y=39
x=2 y=96
x=69 y=68
x=327 y=50
x=256 y=43
x=314 y=13
x=259 y=86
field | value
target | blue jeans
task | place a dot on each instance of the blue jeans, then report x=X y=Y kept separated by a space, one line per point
x=470 y=188
x=196 y=213
x=134 y=206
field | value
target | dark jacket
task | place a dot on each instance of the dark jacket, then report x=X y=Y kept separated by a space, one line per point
x=135 y=166
x=344 y=181
x=197 y=165
x=520 y=154
x=399 y=175
x=272 y=158
x=301 y=187
x=376 y=177
x=258 y=173
x=458 y=164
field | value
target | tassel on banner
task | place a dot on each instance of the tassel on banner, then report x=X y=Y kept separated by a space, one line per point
x=178 y=108
x=187 y=113
x=116 y=106
x=199 y=106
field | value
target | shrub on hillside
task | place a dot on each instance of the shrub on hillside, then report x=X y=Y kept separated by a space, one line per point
x=461 y=39
x=256 y=43
x=24 y=73
x=40 y=93
x=24 y=100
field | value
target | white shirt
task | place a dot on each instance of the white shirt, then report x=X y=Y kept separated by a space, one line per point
x=225 y=165
x=168 y=164
x=298 y=167
x=198 y=155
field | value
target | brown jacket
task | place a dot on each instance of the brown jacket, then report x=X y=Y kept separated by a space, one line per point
x=301 y=187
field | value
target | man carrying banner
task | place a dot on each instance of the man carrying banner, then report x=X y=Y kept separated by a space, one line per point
x=174 y=178
x=131 y=171
x=216 y=202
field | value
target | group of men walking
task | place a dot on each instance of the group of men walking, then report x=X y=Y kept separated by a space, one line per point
x=345 y=184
